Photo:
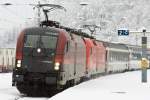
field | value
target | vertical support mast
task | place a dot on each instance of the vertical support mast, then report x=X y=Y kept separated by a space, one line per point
x=144 y=56
x=39 y=13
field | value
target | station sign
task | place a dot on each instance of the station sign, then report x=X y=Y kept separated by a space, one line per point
x=144 y=63
x=144 y=40
x=123 y=32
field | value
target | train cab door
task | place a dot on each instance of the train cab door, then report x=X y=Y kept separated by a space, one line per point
x=74 y=55
x=79 y=57
x=70 y=58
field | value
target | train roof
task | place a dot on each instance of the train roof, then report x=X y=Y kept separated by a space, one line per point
x=89 y=42
x=41 y=30
x=115 y=45
x=134 y=48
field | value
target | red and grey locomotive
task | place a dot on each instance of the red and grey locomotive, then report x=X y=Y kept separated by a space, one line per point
x=54 y=57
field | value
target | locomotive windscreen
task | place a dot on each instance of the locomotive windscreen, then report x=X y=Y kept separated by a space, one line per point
x=39 y=50
x=42 y=41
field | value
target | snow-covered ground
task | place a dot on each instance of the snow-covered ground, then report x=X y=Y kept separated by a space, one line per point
x=7 y=92
x=125 y=86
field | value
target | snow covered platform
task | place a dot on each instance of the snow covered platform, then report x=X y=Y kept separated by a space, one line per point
x=125 y=86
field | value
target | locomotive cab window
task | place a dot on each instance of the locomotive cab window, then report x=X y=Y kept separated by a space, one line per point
x=42 y=41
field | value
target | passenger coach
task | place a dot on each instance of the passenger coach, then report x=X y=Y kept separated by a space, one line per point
x=117 y=57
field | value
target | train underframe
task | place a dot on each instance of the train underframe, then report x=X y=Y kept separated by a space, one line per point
x=37 y=84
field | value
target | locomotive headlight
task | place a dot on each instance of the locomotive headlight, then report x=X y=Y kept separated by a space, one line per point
x=18 y=63
x=39 y=50
x=57 y=65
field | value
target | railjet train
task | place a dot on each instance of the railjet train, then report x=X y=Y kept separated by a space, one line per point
x=52 y=58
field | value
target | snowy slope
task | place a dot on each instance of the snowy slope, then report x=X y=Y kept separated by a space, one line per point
x=125 y=86
x=110 y=15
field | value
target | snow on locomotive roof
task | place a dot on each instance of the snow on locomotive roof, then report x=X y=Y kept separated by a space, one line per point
x=40 y=30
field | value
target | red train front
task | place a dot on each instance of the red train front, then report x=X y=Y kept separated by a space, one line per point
x=39 y=58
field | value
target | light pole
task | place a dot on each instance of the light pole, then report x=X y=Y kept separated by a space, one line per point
x=39 y=13
x=144 y=62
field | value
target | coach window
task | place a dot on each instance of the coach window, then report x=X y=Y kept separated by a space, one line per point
x=6 y=52
x=114 y=58
x=122 y=57
x=117 y=57
x=11 y=52
x=67 y=46
x=111 y=58
x=126 y=59
x=91 y=51
x=72 y=38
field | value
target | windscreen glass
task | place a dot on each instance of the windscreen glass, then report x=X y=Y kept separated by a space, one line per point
x=42 y=41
